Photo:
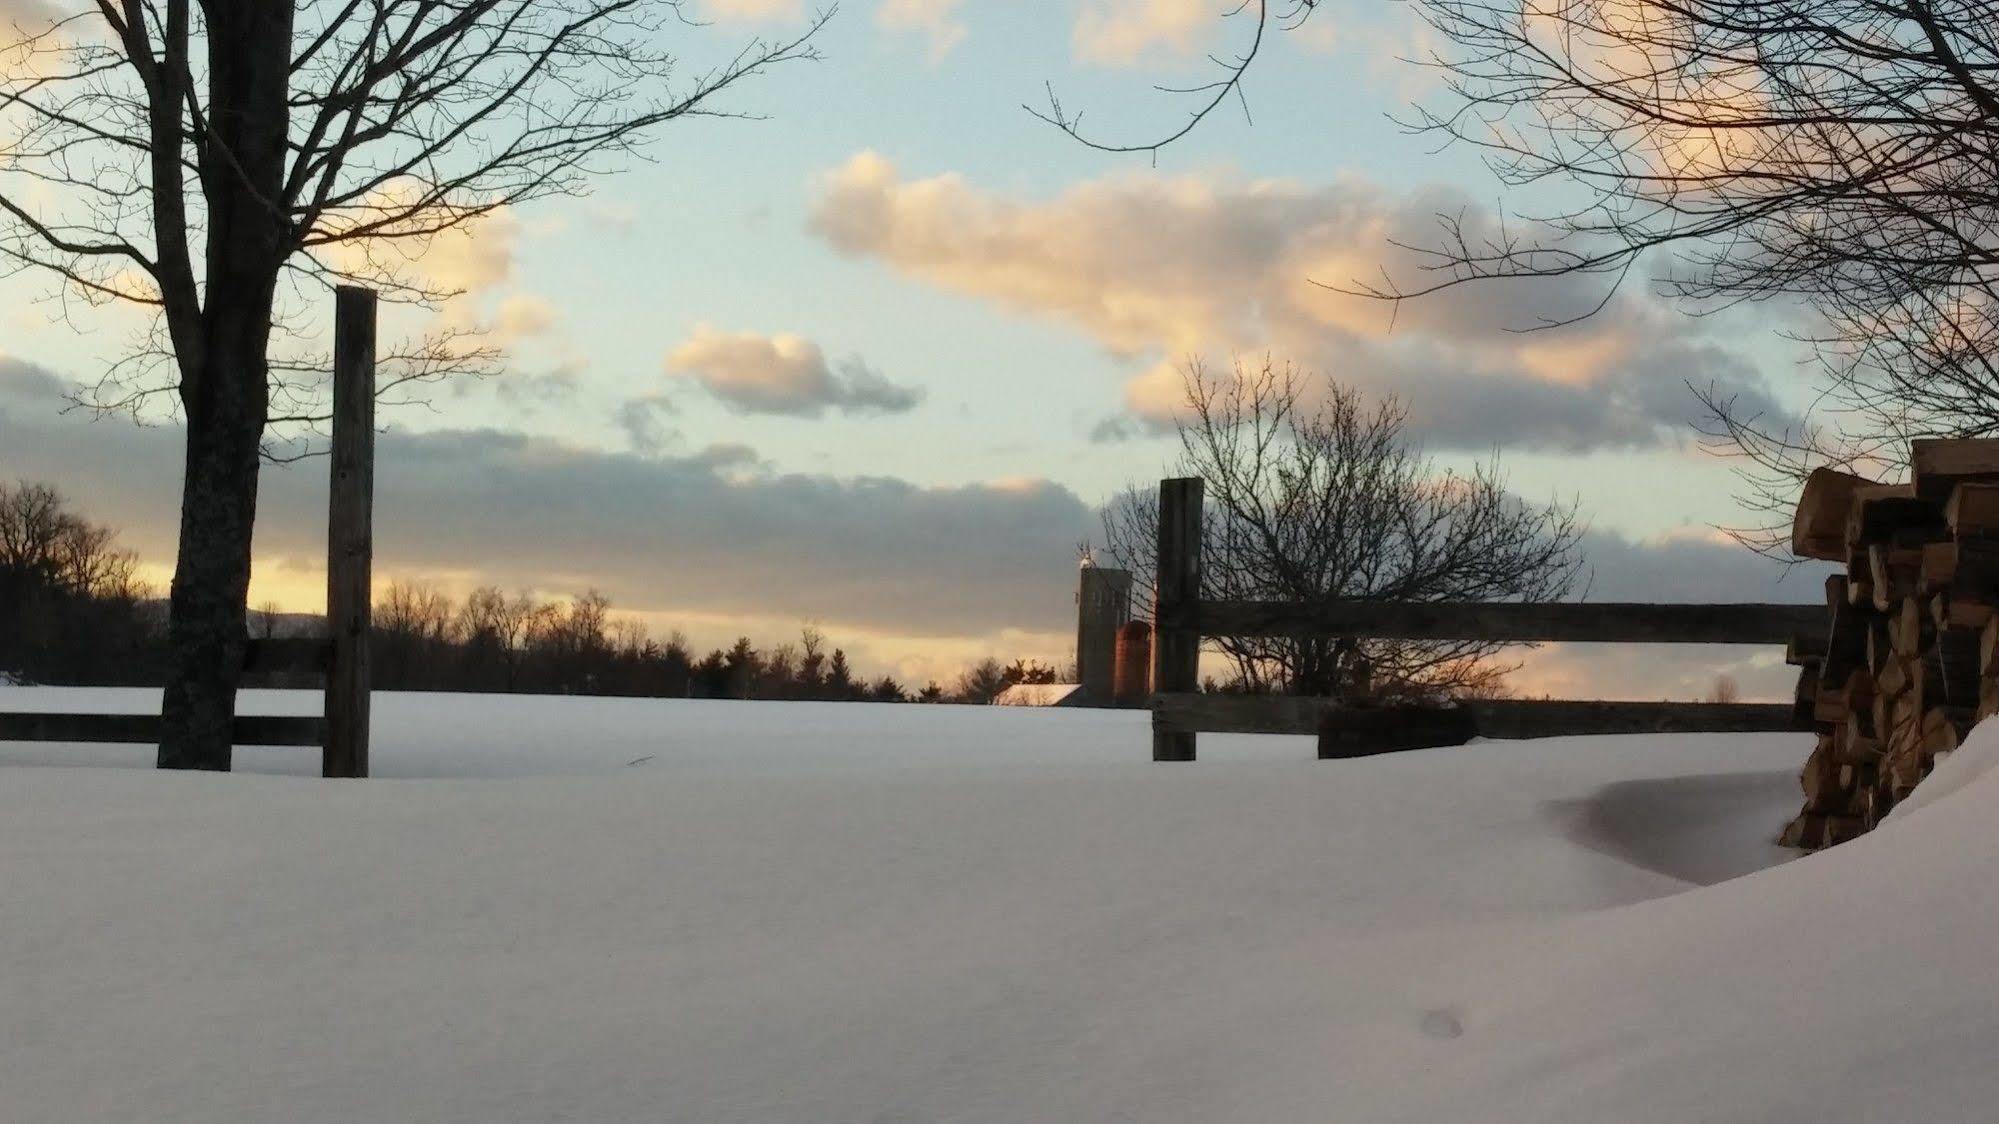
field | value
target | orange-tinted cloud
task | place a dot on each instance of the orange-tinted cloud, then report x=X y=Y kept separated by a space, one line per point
x=936 y=21
x=783 y=374
x=1156 y=268
x=1121 y=32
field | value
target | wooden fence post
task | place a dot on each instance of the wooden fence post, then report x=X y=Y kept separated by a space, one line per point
x=1176 y=648
x=350 y=534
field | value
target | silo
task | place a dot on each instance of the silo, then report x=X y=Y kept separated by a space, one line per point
x=1134 y=663
x=1103 y=603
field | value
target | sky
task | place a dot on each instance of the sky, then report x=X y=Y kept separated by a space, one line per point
x=871 y=356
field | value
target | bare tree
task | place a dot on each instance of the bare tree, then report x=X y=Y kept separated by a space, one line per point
x=414 y=623
x=1263 y=17
x=981 y=683
x=266 y=621
x=194 y=156
x=1315 y=495
x=811 y=661
x=496 y=626
x=46 y=546
x=1833 y=155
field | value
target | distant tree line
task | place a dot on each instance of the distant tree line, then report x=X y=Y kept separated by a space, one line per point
x=491 y=641
x=71 y=608
x=73 y=612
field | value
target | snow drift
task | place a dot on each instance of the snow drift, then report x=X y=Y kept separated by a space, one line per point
x=640 y=910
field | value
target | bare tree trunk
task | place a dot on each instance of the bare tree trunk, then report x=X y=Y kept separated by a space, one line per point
x=211 y=584
x=226 y=395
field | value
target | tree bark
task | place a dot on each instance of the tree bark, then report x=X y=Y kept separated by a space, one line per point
x=206 y=628
x=225 y=396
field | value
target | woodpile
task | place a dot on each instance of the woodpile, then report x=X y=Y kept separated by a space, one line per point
x=1911 y=658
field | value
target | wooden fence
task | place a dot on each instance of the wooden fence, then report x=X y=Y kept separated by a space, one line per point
x=342 y=729
x=1180 y=711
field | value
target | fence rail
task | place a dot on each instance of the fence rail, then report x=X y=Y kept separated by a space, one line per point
x=296 y=655
x=341 y=661
x=1507 y=622
x=1496 y=718
x=144 y=729
x=1182 y=619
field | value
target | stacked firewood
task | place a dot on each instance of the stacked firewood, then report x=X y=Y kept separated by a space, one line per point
x=1911 y=659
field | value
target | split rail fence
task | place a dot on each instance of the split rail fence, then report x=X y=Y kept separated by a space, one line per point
x=342 y=658
x=1181 y=711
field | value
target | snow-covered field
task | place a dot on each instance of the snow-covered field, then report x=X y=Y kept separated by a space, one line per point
x=610 y=910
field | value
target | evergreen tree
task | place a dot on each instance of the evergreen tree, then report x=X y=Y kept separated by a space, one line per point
x=840 y=678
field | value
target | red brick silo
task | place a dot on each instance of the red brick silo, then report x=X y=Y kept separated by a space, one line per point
x=1134 y=664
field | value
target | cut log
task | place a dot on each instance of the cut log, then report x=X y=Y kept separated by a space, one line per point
x=1932 y=684
x=1879 y=651
x=1804 y=649
x=1944 y=729
x=1909 y=627
x=1859 y=689
x=1894 y=571
x=1951 y=611
x=1880 y=511
x=1955 y=654
x=1938 y=562
x=1805 y=698
x=1902 y=777
x=1884 y=717
x=1894 y=678
x=1961 y=612
x=1905 y=731
x=1976 y=574
x=1858 y=750
x=1860 y=726
x=1846 y=644
x=1973 y=511
x=1818 y=529
x=1941 y=464
x=1819 y=781
x=1797 y=833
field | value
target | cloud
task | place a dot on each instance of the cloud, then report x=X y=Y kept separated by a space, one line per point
x=1120 y=32
x=1651 y=672
x=934 y=19
x=1117 y=429
x=523 y=316
x=1157 y=268
x=715 y=531
x=640 y=418
x=1691 y=564
x=29 y=386
x=717 y=541
x=783 y=374
x=20 y=21
x=752 y=11
x=25 y=15
x=470 y=257
x=528 y=389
